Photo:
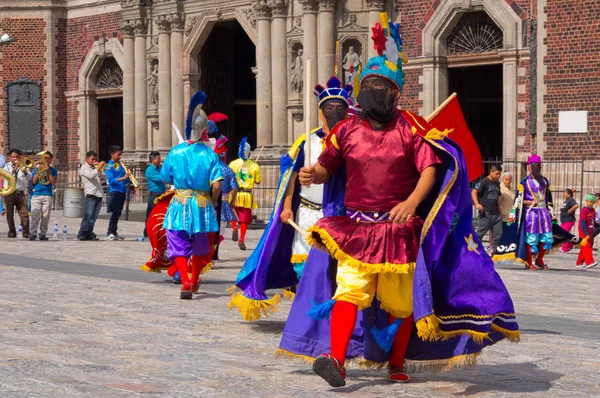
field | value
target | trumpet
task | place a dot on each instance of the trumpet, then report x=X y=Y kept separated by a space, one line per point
x=27 y=164
x=132 y=178
x=101 y=166
x=10 y=183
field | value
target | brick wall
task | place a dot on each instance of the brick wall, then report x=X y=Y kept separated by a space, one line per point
x=75 y=37
x=573 y=75
x=24 y=58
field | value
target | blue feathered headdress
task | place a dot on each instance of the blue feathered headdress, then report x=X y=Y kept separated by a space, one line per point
x=197 y=100
x=241 y=151
x=334 y=90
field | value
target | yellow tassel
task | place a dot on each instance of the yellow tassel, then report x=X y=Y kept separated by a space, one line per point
x=435 y=134
x=299 y=258
x=253 y=310
x=443 y=365
x=148 y=269
x=206 y=268
x=288 y=294
x=504 y=257
x=280 y=353
x=514 y=336
x=428 y=328
x=334 y=250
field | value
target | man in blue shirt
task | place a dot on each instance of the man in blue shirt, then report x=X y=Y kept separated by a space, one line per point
x=117 y=179
x=44 y=179
x=156 y=186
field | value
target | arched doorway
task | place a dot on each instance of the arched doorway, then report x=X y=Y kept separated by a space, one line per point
x=109 y=94
x=478 y=84
x=226 y=62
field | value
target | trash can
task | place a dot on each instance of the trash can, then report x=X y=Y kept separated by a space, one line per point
x=74 y=203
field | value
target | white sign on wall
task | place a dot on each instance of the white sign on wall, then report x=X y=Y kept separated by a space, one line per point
x=573 y=122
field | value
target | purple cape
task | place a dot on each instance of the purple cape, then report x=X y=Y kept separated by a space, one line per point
x=460 y=303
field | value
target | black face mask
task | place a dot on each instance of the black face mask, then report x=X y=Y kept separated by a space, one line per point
x=334 y=111
x=378 y=100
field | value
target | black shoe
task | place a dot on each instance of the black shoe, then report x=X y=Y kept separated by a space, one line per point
x=31 y=237
x=12 y=235
x=242 y=245
x=43 y=237
x=82 y=238
x=234 y=236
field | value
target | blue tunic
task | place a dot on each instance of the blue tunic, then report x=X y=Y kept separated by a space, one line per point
x=191 y=167
x=229 y=184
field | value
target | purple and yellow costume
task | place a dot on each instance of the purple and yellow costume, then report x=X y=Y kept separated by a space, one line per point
x=538 y=220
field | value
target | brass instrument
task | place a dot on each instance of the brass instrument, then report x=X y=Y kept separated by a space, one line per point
x=133 y=180
x=43 y=177
x=101 y=166
x=27 y=163
x=10 y=184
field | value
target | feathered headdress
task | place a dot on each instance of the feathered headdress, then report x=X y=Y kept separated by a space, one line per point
x=195 y=118
x=333 y=90
x=243 y=146
x=213 y=119
x=221 y=145
x=388 y=43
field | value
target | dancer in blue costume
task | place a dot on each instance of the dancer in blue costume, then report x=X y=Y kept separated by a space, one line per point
x=458 y=303
x=194 y=171
x=279 y=258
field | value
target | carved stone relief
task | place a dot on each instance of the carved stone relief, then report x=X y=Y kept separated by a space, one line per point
x=297 y=70
x=153 y=83
x=110 y=75
x=190 y=23
x=352 y=51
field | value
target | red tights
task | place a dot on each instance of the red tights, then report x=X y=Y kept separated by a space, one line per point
x=243 y=228
x=343 y=321
x=198 y=263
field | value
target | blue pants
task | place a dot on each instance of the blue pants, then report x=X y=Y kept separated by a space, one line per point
x=115 y=207
x=93 y=204
x=1 y=205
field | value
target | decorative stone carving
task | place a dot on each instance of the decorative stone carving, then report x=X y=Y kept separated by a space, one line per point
x=110 y=75
x=135 y=3
x=127 y=27
x=176 y=21
x=309 y=5
x=327 y=5
x=153 y=84
x=279 y=8
x=261 y=9
x=351 y=60
x=219 y=14
x=475 y=33
x=163 y=24
x=353 y=18
x=375 y=4
x=298 y=22
x=250 y=16
x=140 y=27
x=190 y=23
x=297 y=74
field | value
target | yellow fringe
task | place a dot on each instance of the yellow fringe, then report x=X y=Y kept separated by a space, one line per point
x=231 y=290
x=206 y=268
x=253 y=310
x=334 y=250
x=288 y=294
x=438 y=365
x=504 y=257
x=148 y=269
x=299 y=258
x=428 y=329
x=245 y=200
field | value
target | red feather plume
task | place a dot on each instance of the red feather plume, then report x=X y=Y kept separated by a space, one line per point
x=217 y=117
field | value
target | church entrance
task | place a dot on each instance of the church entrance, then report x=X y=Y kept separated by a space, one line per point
x=479 y=90
x=110 y=125
x=226 y=63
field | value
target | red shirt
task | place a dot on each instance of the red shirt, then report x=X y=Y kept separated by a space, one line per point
x=587 y=216
x=383 y=166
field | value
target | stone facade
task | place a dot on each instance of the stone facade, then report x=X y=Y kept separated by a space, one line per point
x=157 y=46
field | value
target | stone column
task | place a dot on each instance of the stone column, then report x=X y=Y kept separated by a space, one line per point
x=164 y=83
x=128 y=86
x=309 y=23
x=141 y=92
x=177 y=23
x=326 y=39
x=264 y=133
x=279 y=72
x=374 y=7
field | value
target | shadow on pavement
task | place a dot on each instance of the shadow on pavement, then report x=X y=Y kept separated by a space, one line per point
x=270 y=327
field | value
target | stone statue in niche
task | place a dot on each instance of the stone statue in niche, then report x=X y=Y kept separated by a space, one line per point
x=297 y=76
x=153 y=84
x=352 y=58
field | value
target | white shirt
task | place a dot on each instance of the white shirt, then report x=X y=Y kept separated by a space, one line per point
x=21 y=177
x=91 y=180
x=314 y=193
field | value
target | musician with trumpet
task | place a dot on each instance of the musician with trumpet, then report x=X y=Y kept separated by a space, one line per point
x=118 y=176
x=156 y=186
x=91 y=172
x=17 y=199
x=44 y=180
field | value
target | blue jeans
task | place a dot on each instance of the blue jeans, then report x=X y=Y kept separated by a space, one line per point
x=117 y=201
x=151 y=197
x=1 y=205
x=93 y=204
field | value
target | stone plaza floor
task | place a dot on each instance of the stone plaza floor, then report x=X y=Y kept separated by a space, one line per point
x=80 y=319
